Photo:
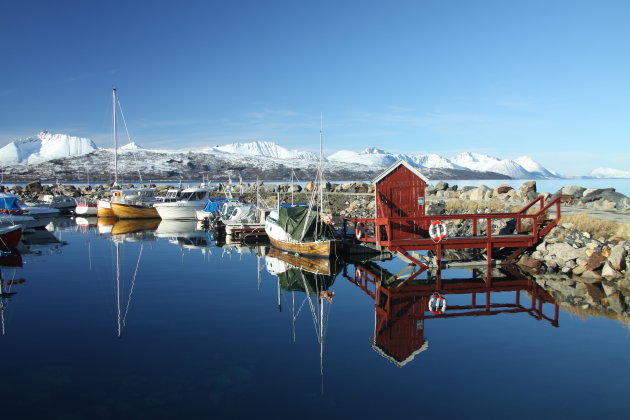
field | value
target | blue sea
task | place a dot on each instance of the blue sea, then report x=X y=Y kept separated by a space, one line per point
x=164 y=321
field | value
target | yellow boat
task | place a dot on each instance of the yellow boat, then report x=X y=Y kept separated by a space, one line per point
x=134 y=211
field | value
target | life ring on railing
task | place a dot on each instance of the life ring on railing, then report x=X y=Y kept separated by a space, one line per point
x=437 y=231
x=359 y=230
x=438 y=299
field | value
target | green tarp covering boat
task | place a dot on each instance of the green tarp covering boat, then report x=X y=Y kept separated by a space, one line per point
x=294 y=219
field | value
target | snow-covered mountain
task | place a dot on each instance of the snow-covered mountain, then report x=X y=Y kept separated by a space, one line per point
x=609 y=173
x=46 y=146
x=369 y=157
x=266 y=149
x=43 y=147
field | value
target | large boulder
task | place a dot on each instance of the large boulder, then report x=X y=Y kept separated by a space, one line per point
x=572 y=190
x=617 y=257
x=33 y=187
x=479 y=193
x=606 y=194
x=527 y=191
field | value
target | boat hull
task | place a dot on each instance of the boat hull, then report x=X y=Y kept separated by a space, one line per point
x=85 y=210
x=170 y=212
x=322 y=249
x=104 y=209
x=134 y=211
x=10 y=236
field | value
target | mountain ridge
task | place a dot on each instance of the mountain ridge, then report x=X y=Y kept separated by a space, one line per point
x=46 y=147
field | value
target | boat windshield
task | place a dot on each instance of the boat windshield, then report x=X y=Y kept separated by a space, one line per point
x=195 y=196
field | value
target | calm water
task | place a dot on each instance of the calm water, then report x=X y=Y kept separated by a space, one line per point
x=164 y=324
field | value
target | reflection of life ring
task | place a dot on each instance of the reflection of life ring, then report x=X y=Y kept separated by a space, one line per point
x=357 y=274
x=359 y=230
x=437 y=298
x=437 y=230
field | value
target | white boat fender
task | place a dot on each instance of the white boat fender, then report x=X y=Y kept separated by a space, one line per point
x=359 y=230
x=439 y=300
x=437 y=231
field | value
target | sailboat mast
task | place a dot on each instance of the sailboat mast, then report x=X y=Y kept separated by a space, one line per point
x=115 y=137
x=321 y=161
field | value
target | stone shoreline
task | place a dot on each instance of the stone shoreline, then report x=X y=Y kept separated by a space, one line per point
x=588 y=272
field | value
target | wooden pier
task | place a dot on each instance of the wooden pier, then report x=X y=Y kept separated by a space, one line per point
x=401 y=226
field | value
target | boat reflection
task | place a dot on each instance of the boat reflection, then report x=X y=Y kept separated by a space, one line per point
x=310 y=278
x=10 y=258
x=186 y=234
x=135 y=229
x=402 y=307
x=105 y=225
x=40 y=241
x=8 y=281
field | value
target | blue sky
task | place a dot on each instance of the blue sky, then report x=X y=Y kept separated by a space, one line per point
x=549 y=79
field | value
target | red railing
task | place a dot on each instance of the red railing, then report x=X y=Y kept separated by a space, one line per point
x=392 y=231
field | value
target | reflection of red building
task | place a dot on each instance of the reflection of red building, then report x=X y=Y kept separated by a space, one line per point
x=403 y=307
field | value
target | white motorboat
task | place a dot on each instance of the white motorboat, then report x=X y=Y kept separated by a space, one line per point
x=36 y=212
x=191 y=200
x=61 y=202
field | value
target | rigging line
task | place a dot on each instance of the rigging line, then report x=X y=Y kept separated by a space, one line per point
x=133 y=283
x=129 y=138
x=312 y=308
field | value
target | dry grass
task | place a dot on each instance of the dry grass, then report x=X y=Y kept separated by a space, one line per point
x=598 y=228
x=473 y=207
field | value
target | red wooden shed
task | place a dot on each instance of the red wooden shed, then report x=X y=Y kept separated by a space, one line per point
x=399 y=192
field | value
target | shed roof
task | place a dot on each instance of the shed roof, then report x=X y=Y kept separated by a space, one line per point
x=396 y=165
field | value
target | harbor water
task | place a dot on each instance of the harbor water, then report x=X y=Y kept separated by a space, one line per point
x=161 y=321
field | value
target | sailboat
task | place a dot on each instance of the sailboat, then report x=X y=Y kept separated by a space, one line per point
x=304 y=230
x=135 y=203
x=103 y=207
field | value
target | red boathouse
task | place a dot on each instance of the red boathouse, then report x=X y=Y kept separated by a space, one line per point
x=401 y=225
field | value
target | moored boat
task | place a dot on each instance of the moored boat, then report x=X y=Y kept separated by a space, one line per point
x=191 y=200
x=104 y=209
x=304 y=229
x=85 y=208
x=301 y=230
x=10 y=236
x=134 y=211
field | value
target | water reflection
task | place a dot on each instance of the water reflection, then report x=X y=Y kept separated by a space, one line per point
x=9 y=280
x=312 y=278
x=402 y=307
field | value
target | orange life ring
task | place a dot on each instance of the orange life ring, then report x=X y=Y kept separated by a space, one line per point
x=359 y=230
x=437 y=231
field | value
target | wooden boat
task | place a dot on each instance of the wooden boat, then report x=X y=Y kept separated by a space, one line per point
x=304 y=229
x=104 y=209
x=134 y=211
x=317 y=248
x=10 y=236
x=300 y=230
